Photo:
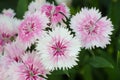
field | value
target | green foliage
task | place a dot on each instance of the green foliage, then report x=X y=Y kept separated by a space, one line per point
x=21 y=7
x=99 y=62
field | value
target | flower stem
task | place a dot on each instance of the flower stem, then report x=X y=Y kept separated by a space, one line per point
x=43 y=76
x=67 y=73
x=92 y=53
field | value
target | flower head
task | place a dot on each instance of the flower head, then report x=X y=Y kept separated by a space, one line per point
x=8 y=29
x=13 y=53
x=30 y=69
x=55 y=13
x=14 y=49
x=91 y=28
x=31 y=27
x=58 y=49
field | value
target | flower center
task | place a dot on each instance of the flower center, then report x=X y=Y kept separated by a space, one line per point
x=90 y=27
x=16 y=59
x=4 y=38
x=29 y=28
x=58 y=48
x=31 y=73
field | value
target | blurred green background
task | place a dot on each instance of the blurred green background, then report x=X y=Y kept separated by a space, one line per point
x=104 y=67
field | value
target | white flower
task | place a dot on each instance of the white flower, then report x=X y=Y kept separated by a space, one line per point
x=59 y=49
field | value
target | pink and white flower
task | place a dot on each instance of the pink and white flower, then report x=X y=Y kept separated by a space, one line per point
x=30 y=69
x=32 y=27
x=53 y=12
x=12 y=53
x=59 y=49
x=8 y=29
x=91 y=28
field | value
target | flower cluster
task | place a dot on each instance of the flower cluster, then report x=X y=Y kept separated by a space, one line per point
x=55 y=46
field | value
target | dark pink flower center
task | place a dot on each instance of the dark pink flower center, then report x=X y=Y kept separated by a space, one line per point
x=58 y=48
x=31 y=73
x=17 y=59
x=4 y=38
x=30 y=27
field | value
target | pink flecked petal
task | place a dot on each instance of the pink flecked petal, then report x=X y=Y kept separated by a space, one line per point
x=32 y=27
x=29 y=69
x=91 y=28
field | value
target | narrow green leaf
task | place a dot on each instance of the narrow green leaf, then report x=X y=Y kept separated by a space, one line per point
x=67 y=73
x=118 y=59
x=21 y=8
x=99 y=62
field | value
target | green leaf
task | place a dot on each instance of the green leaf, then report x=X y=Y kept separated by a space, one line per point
x=99 y=62
x=87 y=71
x=21 y=7
x=118 y=59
